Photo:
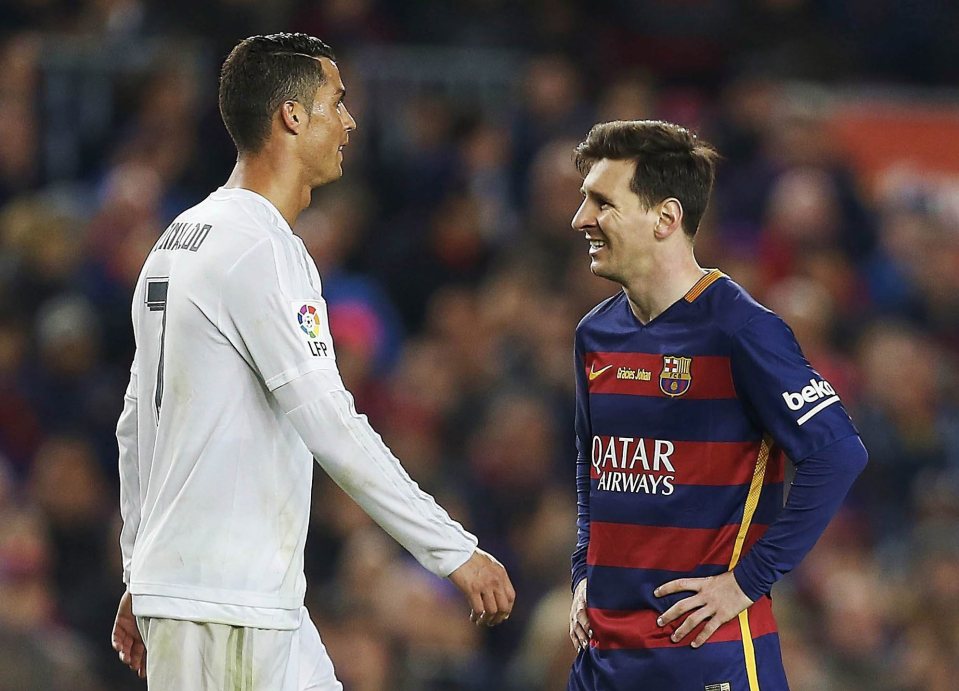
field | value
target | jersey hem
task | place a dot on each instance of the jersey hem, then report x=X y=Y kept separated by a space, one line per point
x=237 y=598
x=187 y=609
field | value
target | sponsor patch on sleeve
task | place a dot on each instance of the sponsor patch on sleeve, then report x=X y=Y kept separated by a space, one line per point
x=810 y=400
x=311 y=322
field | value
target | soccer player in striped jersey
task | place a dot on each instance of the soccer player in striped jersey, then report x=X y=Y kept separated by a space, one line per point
x=234 y=390
x=689 y=395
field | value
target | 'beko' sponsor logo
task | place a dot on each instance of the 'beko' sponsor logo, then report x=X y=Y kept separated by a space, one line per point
x=821 y=391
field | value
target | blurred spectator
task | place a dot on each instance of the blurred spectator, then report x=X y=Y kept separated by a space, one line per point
x=35 y=653
x=553 y=107
x=19 y=169
x=809 y=310
x=545 y=656
x=41 y=243
x=912 y=424
x=72 y=388
x=20 y=429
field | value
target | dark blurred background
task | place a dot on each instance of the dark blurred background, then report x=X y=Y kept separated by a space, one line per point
x=455 y=283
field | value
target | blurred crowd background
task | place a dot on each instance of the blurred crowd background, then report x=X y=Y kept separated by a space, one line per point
x=455 y=282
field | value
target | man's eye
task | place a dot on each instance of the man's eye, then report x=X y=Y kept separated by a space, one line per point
x=603 y=206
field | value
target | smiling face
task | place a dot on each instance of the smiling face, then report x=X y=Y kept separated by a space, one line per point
x=327 y=129
x=619 y=228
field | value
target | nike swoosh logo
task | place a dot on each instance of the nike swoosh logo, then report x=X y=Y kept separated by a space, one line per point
x=593 y=374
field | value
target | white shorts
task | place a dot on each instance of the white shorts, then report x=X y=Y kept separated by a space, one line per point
x=195 y=656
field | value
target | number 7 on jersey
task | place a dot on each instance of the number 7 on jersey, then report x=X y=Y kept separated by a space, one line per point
x=156 y=302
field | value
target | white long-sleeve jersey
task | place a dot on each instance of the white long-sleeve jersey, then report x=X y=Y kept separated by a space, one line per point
x=233 y=391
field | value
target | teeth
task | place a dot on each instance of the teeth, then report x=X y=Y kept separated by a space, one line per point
x=596 y=244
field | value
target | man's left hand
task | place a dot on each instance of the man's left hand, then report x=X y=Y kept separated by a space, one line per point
x=716 y=598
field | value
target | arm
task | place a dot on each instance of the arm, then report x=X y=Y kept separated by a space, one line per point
x=581 y=425
x=129 y=474
x=799 y=409
x=579 y=628
x=125 y=637
x=821 y=483
x=803 y=414
x=582 y=519
x=355 y=457
x=272 y=311
x=817 y=491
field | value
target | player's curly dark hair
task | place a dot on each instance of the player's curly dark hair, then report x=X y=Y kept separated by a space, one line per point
x=261 y=73
x=670 y=161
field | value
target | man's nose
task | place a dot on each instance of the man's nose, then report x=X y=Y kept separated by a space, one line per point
x=350 y=123
x=582 y=219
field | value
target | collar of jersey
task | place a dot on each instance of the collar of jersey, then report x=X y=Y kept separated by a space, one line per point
x=227 y=192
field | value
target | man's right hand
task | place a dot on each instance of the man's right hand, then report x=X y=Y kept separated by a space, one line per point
x=126 y=638
x=579 y=629
x=484 y=582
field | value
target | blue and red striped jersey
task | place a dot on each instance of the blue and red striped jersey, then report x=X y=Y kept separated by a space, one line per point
x=682 y=426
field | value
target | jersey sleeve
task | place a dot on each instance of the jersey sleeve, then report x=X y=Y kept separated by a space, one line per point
x=275 y=315
x=342 y=441
x=818 y=489
x=793 y=403
x=129 y=472
x=581 y=425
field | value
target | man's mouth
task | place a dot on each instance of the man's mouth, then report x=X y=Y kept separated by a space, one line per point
x=596 y=243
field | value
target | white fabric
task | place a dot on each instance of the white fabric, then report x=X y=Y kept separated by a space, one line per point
x=215 y=480
x=129 y=473
x=190 y=656
x=354 y=455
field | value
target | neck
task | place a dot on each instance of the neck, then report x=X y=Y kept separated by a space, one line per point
x=663 y=282
x=265 y=174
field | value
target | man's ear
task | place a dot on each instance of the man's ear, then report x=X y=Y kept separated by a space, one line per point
x=670 y=218
x=291 y=115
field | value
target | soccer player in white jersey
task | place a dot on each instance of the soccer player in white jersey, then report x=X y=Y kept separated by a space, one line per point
x=233 y=389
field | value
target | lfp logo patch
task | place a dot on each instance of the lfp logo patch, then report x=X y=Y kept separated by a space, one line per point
x=676 y=377
x=309 y=321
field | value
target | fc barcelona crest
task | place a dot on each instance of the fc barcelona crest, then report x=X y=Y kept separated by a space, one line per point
x=676 y=377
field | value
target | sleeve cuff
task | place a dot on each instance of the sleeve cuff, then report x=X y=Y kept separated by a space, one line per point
x=748 y=582
x=455 y=559
x=579 y=573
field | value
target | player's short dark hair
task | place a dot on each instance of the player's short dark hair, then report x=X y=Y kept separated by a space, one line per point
x=262 y=72
x=670 y=161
